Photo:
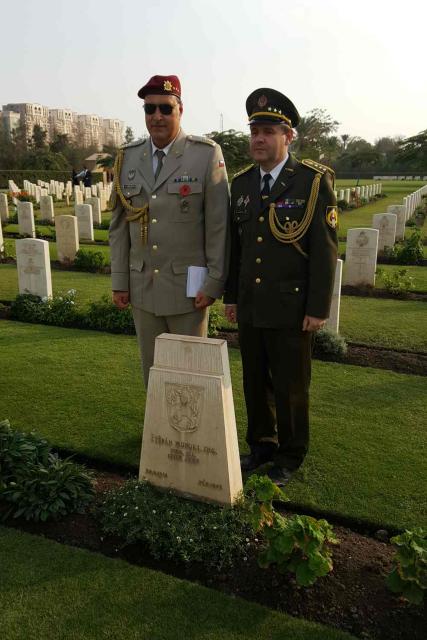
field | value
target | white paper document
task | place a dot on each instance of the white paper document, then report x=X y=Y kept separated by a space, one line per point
x=195 y=280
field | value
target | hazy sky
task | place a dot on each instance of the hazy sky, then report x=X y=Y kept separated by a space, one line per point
x=363 y=61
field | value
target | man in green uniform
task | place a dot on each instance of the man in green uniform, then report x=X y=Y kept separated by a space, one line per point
x=170 y=213
x=279 y=288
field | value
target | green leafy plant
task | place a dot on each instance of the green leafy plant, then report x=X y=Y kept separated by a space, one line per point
x=34 y=482
x=410 y=251
x=58 y=310
x=89 y=261
x=103 y=315
x=175 y=528
x=396 y=282
x=298 y=544
x=409 y=574
x=215 y=321
x=329 y=344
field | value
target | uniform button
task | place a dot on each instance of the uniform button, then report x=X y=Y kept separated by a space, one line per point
x=261 y=218
x=287 y=218
x=258 y=260
x=155 y=247
x=156 y=271
x=154 y=196
x=296 y=288
x=257 y=280
x=259 y=239
x=154 y=220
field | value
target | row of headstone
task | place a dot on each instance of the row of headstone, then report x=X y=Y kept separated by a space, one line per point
x=60 y=190
x=357 y=193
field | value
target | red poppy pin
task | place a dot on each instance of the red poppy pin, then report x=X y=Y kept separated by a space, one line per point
x=184 y=190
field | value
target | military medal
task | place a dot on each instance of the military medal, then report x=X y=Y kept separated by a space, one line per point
x=131 y=174
x=184 y=206
x=240 y=201
x=246 y=201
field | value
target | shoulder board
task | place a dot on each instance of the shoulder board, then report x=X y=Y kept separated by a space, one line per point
x=242 y=171
x=202 y=139
x=316 y=166
x=135 y=143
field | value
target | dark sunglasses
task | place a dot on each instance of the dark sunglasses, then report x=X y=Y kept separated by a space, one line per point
x=165 y=109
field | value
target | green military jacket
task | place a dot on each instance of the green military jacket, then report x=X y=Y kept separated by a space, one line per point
x=188 y=225
x=275 y=284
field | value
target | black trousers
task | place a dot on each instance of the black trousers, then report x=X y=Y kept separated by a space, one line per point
x=276 y=381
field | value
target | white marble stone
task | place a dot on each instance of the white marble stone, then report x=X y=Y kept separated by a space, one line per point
x=341 y=194
x=26 y=219
x=347 y=195
x=386 y=225
x=4 y=207
x=190 y=439
x=78 y=196
x=361 y=257
x=46 y=208
x=400 y=211
x=333 y=322
x=96 y=209
x=67 y=238
x=87 y=193
x=85 y=221
x=33 y=264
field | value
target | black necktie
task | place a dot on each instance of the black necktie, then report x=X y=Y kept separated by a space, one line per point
x=265 y=191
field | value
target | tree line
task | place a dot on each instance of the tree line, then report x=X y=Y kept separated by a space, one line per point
x=316 y=139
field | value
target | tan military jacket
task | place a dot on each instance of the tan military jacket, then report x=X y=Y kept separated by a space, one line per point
x=188 y=224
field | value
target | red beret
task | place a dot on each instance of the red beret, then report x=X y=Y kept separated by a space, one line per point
x=161 y=85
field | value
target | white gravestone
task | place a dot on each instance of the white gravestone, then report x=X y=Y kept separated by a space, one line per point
x=33 y=264
x=386 y=225
x=87 y=192
x=347 y=195
x=46 y=208
x=1 y=239
x=78 y=196
x=400 y=211
x=341 y=194
x=67 y=238
x=190 y=440
x=84 y=220
x=333 y=322
x=26 y=219
x=361 y=257
x=4 y=207
x=96 y=209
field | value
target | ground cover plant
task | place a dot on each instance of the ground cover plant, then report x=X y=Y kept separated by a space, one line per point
x=409 y=573
x=362 y=464
x=50 y=590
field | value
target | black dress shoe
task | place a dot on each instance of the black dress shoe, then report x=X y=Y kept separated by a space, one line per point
x=279 y=475
x=256 y=459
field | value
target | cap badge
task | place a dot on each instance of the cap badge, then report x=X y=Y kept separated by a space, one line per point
x=167 y=85
x=131 y=174
x=262 y=101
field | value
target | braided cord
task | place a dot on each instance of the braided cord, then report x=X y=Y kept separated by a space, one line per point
x=136 y=213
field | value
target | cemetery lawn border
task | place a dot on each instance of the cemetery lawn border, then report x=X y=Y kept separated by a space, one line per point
x=54 y=591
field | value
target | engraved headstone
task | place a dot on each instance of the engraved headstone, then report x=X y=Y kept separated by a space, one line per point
x=4 y=207
x=333 y=322
x=386 y=225
x=347 y=195
x=46 y=208
x=33 y=264
x=78 y=196
x=400 y=211
x=361 y=257
x=84 y=220
x=26 y=219
x=96 y=209
x=67 y=238
x=190 y=440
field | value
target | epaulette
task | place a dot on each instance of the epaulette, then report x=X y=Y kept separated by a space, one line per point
x=202 y=139
x=242 y=171
x=134 y=143
x=316 y=166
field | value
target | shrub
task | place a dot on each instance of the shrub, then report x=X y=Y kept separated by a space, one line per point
x=396 y=282
x=105 y=224
x=215 y=321
x=175 y=528
x=410 y=251
x=298 y=544
x=89 y=260
x=36 y=483
x=327 y=343
x=103 y=315
x=59 y=310
x=409 y=573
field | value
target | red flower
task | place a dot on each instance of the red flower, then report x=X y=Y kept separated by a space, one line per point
x=184 y=190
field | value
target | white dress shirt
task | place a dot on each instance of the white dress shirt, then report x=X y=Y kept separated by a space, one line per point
x=274 y=172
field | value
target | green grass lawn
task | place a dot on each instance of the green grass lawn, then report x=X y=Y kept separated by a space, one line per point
x=391 y=323
x=83 y=390
x=100 y=235
x=104 y=249
x=50 y=591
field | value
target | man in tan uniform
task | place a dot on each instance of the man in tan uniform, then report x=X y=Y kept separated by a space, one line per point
x=170 y=212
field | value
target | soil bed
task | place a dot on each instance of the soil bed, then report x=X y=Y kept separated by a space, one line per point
x=353 y=597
